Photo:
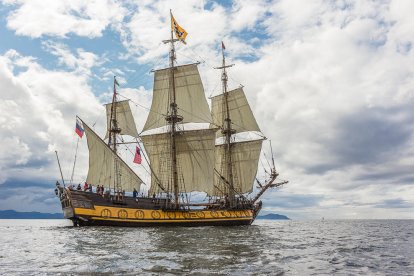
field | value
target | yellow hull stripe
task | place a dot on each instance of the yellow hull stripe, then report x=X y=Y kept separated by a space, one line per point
x=168 y=221
x=146 y=215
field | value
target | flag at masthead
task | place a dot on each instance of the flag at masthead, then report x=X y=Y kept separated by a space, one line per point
x=180 y=33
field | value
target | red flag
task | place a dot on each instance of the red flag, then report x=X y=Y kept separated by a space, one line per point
x=79 y=130
x=222 y=45
x=137 y=158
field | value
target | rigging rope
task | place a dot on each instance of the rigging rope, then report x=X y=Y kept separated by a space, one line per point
x=74 y=162
x=270 y=167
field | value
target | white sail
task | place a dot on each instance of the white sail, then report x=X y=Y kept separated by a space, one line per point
x=241 y=115
x=245 y=158
x=190 y=99
x=102 y=165
x=195 y=160
x=124 y=119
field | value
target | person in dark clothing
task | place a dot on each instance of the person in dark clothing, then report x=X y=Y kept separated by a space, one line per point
x=57 y=191
x=135 y=193
x=226 y=200
x=79 y=188
x=90 y=187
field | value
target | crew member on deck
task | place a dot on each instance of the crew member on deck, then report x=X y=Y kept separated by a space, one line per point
x=85 y=187
x=79 y=188
x=135 y=193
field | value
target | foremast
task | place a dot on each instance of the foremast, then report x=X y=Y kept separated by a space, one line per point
x=227 y=130
x=237 y=159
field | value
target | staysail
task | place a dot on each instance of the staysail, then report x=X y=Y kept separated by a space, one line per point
x=102 y=163
x=124 y=118
x=241 y=114
x=190 y=98
x=195 y=158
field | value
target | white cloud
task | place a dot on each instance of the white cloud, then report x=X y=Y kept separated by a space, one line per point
x=246 y=14
x=329 y=70
x=36 y=18
x=39 y=115
x=81 y=62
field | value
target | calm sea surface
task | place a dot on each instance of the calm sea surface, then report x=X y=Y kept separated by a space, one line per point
x=358 y=247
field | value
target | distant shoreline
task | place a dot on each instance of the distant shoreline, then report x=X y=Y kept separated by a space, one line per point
x=11 y=214
x=273 y=217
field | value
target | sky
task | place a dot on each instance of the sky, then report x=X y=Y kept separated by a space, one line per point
x=331 y=84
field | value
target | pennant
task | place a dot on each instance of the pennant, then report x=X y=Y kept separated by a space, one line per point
x=222 y=46
x=137 y=158
x=180 y=33
x=116 y=82
x=79 y=130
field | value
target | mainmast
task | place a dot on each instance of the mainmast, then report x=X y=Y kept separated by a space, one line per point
x=173 y=118
x=227 y=130
x=183 y=160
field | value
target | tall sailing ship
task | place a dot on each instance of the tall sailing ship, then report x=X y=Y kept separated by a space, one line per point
x=181 y=159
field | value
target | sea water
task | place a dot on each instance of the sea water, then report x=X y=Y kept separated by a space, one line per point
x=337 y=247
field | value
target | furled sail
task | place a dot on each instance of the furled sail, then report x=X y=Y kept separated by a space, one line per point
x=241 y=115
x=124 y=119
x=245 y=158
x=195 y=159
x=102 y=165
x=190 y=99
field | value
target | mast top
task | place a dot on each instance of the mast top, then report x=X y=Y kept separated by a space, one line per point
x=180 y=33
x=172 y=40
x=223 y=66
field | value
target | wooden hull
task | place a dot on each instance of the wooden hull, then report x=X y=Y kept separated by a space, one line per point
x=87 y=209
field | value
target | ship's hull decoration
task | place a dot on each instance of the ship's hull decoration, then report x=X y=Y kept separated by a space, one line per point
x=88 y=209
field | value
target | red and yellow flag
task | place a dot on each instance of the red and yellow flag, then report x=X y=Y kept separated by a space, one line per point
x=180 y=33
